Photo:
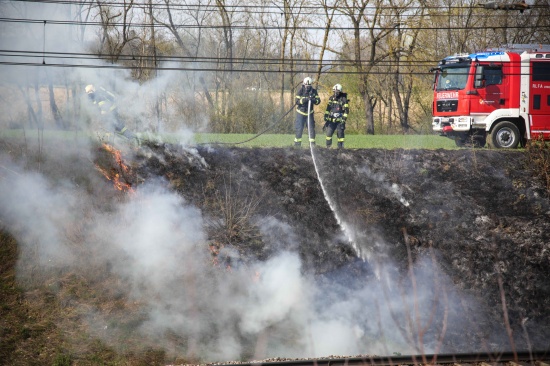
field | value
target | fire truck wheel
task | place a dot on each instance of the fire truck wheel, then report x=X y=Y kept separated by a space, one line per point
x=505 y=135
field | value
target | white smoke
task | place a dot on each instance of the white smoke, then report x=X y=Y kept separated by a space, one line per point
x=155 y=244
x=393 y=190
x=37 y=212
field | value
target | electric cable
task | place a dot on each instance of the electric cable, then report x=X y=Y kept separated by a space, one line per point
x=253 y=27
x=269 y=8
x=203 y=69
x=251 y=61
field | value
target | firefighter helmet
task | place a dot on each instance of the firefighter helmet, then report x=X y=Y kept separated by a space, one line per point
x=308 y=81
x=337 y=88
x=89 y=89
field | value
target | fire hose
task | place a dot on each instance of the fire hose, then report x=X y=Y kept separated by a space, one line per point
x=308 y=119
x=256 y=136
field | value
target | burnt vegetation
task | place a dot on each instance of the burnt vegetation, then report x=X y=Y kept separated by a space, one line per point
x=482 y=215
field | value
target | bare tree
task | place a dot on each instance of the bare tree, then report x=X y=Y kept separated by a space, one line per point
x=116 y=29
x=227 y=65
x=329 y=11
x=402 y=51
x=365 y=50
x=287 y=32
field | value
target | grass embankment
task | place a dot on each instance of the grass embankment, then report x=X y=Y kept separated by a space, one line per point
x=352 y=141
x=45 y=322
x=265 y=140
x=28 y=335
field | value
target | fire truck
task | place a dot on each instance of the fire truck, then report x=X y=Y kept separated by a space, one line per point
x=499 y=97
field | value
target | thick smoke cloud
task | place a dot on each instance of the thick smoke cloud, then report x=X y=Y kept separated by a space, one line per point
x=154 y=242
x=36 y=213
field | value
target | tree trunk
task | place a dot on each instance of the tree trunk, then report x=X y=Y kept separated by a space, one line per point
x=53 y=107
x=369 y=113
x=207 y=93
x=33 y=119
x=39 y=113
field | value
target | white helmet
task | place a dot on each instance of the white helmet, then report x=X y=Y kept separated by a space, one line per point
x=308 y=81
x=89 y=89
x=336 y=88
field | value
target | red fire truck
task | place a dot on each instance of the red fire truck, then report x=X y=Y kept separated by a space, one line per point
x=500 y=96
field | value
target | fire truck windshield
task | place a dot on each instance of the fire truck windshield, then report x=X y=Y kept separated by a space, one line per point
x=452 y=78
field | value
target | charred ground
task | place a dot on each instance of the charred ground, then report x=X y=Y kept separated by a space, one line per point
x=482 y=215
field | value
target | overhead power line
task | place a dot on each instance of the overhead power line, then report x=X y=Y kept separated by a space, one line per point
x=254 y=61
x=273 y=8
x=402 y=27
x=209 y=7
x=312 y=70
x=403 y=12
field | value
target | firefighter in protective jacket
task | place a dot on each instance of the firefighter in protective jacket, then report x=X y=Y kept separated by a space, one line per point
x=306 y=98
x=336 y=115
x=106 y=103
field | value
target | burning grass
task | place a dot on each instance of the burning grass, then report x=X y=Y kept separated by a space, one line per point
x=112 y=166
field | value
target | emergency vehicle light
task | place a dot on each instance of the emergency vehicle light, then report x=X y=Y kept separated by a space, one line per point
x=486 y=54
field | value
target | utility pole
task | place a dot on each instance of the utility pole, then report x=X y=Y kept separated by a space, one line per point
x=154 y=45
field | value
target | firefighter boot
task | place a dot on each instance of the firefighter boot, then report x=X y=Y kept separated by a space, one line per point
x=329 y=142
x=340 y=145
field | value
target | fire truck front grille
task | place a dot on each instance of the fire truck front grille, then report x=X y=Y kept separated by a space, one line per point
x=447 y=105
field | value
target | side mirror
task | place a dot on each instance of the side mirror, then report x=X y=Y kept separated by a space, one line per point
x=479 y=78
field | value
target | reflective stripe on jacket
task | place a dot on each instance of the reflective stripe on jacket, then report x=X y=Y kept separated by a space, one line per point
x=337 y=108
x=302 y=100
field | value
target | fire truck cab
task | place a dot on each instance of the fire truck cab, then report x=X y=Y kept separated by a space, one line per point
x=499 y=97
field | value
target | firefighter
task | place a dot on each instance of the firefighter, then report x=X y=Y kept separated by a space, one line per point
x=106 y=103
x=306 y=98
x=336 y=115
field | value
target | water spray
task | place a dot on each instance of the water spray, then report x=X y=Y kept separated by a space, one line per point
x=350 y=234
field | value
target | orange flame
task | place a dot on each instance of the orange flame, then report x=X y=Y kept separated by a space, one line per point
x=215 y=251
x=115 y=177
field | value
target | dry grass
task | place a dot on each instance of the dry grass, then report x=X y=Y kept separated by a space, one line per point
x=47 y=322
x=538 y=156
x=45 y=312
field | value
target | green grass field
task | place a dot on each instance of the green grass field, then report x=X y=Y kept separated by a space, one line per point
x=266 y=140
x=352 y=141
